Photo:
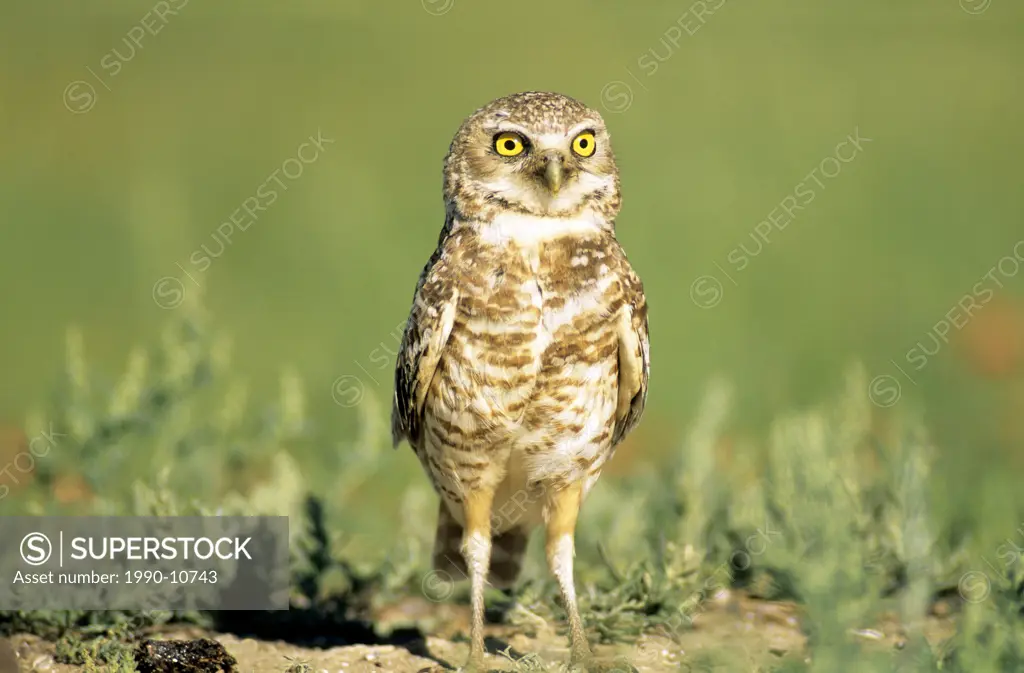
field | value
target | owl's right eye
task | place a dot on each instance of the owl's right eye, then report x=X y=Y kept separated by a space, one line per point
x=509 y=144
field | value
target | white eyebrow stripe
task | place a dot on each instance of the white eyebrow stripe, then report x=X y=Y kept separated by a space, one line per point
x=582 y=126
x=509 y=126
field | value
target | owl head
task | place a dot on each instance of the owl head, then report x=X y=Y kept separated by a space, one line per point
x=533 y=153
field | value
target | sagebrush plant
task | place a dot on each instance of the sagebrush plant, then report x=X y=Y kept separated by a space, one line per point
x=827 y=512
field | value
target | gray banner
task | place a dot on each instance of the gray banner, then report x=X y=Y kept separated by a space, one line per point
x=144 y=563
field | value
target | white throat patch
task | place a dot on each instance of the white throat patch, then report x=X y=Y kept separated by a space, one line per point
x=531 y=230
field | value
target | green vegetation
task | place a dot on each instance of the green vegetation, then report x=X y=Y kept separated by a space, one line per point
x=833 y=515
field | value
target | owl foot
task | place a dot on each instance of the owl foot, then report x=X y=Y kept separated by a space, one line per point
x=474 y=665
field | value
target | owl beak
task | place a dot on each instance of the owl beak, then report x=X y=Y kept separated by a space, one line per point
x=554 y=170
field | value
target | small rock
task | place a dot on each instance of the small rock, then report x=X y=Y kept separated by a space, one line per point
x=183 y=656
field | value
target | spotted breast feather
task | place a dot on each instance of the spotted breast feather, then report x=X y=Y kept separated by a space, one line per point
x=545 y=342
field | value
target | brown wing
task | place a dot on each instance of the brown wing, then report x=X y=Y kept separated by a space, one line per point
x=426 y=333
x=634 y=356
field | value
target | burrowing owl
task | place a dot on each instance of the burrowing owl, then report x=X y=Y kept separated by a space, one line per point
x=525 y=357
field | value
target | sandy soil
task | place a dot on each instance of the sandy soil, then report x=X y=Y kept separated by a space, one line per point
x=750 y=633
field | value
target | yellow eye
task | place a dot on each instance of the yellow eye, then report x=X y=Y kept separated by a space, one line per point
x=584 y=144
x=508 y=144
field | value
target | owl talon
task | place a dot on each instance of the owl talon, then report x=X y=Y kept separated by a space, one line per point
x=471 y=667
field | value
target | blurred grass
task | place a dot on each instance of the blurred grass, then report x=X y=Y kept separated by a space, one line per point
x=96 y=207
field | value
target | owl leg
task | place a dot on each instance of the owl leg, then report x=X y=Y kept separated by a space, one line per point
x=476 y=548
x=563 y=508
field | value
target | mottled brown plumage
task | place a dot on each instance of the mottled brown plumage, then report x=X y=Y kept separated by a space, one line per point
x=525 y=358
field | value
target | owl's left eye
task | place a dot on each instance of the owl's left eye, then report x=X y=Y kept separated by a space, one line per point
x=584 y=144
x=509 y=144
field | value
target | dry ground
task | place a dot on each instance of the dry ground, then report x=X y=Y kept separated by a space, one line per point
x=748 y=634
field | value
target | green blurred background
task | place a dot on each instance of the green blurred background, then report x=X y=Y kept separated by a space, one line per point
x=97 y=205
